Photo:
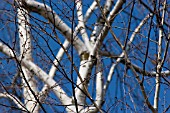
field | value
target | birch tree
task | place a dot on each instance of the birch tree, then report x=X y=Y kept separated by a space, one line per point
x=80 y=56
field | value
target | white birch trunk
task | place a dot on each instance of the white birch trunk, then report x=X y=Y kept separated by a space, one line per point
x=25 y=52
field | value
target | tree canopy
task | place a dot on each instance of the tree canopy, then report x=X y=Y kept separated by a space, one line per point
x=84 y=56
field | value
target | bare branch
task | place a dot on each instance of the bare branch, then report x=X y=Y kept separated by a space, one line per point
x=159 y=65
x=142 y=88
x=49 y=14
x=14 y=99
x=90 y=10
x=40 y=73
x=82 y=25
x=25 y=52
x=109 y=77
x=110 y=19
x=53 y=69
x=121 y=56
x=101 y=20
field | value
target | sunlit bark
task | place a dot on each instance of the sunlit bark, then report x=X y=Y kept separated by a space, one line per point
x=25 y=52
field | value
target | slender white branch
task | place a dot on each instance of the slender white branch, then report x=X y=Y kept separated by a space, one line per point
x=159 y=68
x=65 y=100
x=105 y=29
x=48 y=80
x=109 y=77
x=100 y=23
x=90 y=10
x=115 y=10
x=107 y=6
x=53 y=69
x=109 y=20
x=52 y=84
x=14 y=99
x=122 y=54
x=49 y=14
x=81 y=24
x=6 y=50
x=142 y=88
x=85 y=72
x=87 y=16
x=58 y=59
x=99 y=90
x=138 y=29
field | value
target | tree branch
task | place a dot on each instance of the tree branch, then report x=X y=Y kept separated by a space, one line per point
x=159 y=65
x=40 y=73
x=49 y=14
x=101 y=20
x=142 y=88
x=81 y=24
x=26 y=52
x=15 y=100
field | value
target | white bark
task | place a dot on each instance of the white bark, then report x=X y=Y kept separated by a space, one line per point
x=58 y=59
x=84 y=72
x=99 y=83
x=49 y=14
x=100 y=23
x=60 y=93
x=159 y=65
x=81 y=24
x=15 y=100
x=25 y=52
x=90 y=10
x=121 y=56
x=85 y=69
x=53 y=69
x=108 y=21
x=109 y=77
x=99 y=88
x=105 y=29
